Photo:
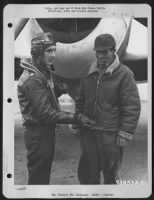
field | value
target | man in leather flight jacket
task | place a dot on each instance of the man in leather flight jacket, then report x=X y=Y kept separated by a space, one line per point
x=37 y=93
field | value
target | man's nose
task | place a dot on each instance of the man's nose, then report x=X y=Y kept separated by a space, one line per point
x=53 y=53
x=100 y=55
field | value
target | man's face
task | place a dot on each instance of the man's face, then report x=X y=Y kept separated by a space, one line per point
x=49 y=55
x=105 y=57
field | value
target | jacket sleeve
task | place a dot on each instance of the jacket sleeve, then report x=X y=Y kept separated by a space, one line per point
x=79 y=100
x=130 y=106
x=41 y=103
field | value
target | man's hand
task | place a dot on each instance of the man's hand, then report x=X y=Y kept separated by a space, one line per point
x=85 y=121
x=123 y=138
x=121 y=141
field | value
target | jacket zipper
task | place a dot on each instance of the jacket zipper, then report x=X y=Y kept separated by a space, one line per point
x=97 y=85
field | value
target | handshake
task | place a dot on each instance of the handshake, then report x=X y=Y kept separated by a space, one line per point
x=80 y=119
x=84 y=121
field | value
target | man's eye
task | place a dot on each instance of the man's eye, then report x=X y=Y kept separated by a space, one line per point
x=50 y=51
x=104 y=52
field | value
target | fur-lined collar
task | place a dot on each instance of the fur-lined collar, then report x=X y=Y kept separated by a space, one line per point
x=110 y=69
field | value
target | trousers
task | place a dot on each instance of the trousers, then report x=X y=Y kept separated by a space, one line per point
x=40 y=145
x=99 y=154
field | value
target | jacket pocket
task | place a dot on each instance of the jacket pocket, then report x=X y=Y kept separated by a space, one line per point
x=108 y=107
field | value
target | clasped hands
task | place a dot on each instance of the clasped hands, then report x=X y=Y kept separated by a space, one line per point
x=85 y=121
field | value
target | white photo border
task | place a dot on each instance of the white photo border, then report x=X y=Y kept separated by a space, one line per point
x=10 y=13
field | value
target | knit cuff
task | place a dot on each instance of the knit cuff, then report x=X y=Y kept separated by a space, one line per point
x=125 y=135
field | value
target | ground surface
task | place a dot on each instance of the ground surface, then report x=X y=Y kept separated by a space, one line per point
x=64 y=169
